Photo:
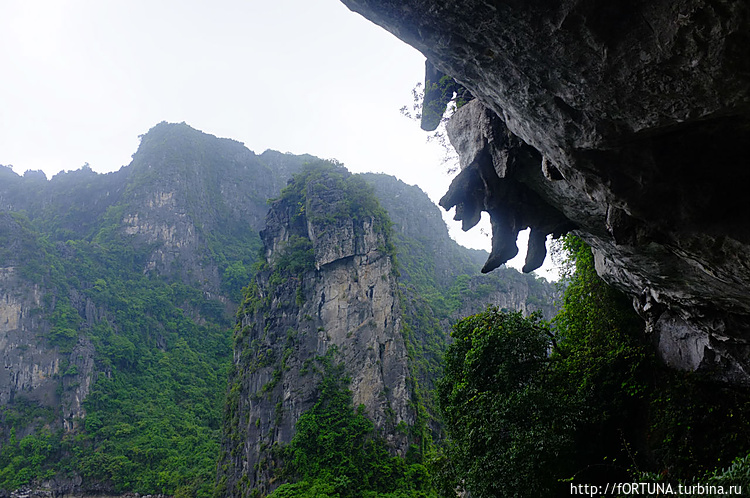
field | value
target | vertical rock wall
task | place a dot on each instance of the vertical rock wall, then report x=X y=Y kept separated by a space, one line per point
x=345 y=300
x=30 y=366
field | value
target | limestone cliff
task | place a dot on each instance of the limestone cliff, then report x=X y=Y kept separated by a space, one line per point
x=432 y=259
x=187 y=186
x=36 y=372
x=624 y=121
x=118 y=284
x=328 y=285
x=184 y=192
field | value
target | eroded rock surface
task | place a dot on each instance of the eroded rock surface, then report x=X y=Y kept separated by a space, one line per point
x=626 y=121
x=344 y=298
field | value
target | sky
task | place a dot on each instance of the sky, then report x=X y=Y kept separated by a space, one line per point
x=80 y=80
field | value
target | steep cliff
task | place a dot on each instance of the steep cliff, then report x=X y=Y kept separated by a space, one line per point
x=328 y=286
x=434 y=264
x=115 y=297
x=28 y=366
x=346 y=281
x=623 y=121
x=43 y=378
x=190 y=193
x=440 y=280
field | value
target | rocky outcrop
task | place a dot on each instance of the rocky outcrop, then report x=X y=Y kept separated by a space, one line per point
x=329 y=288
x=34 y=371
x=69 y=488
x=624 y=122
x=81 y=257
x=30 y=365
x=185 y=185
x=421 y=231
x=510 y=292
x=77 y=381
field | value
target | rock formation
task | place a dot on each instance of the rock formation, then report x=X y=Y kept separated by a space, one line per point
x=33 y=368
x=168 y=200
x=422 y=239
x=78 y=253
x=329 y=285
x=623 y=121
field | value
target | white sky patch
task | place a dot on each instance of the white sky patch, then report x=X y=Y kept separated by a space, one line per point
x=34 y=29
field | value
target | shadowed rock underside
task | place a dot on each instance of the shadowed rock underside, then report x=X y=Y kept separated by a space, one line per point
x=623 y=121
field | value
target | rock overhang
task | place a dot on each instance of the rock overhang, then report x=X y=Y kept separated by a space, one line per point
x=626 y=121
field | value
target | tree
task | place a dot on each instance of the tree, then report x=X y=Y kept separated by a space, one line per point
x=509 y=432
x=530 y=408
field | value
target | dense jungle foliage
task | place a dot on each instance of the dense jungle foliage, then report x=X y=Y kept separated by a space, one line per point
x=532 y=408
x=153 y=413
x=335 y=451
x=159 y=338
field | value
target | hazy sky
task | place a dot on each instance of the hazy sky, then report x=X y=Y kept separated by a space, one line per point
x=81 y=79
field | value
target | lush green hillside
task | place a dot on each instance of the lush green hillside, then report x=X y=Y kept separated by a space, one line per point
x=119 y=293
x=139 y=272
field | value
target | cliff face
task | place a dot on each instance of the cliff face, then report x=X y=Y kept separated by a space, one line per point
x=35 y=371
x=118 y=284
x=623 y=122
x=426 y=250
x=330 y=290
x=181 y=190
x=328 y=287
x=187 y=186
x=28 y=366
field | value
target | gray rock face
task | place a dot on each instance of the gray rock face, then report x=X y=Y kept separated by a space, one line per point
x=525 y=295
x=29 y=367
x=627 y=118
x=345 y=300
x=32 y=368
x=168 y=199
x=490 y=156
x=184 y=195
x=191 y=184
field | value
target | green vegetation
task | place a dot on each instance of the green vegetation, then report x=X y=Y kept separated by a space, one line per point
x=160 y=338
x=339 y=197
x=22 y=461
x=335 y=451
x=531 y=407
x=296 y=257
x=158 y=333
x=153 y=414
x=508 y=429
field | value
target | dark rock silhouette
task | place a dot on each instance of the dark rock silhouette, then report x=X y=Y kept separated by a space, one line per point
x=628 y=122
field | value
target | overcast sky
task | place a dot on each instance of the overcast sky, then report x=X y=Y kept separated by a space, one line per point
x=81 y=79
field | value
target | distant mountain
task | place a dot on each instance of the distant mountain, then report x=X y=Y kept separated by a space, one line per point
x=118 y=295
